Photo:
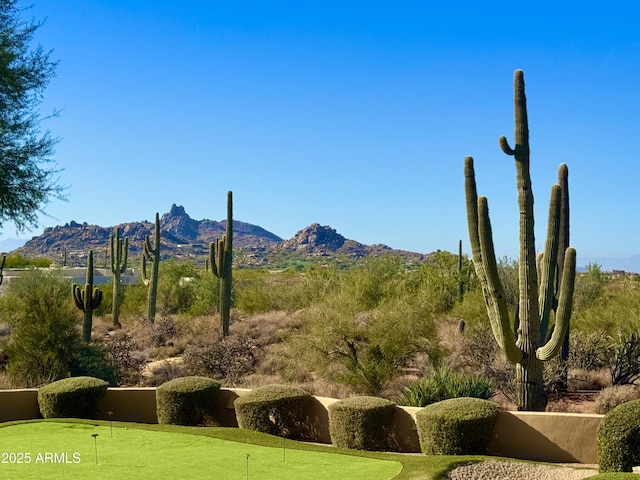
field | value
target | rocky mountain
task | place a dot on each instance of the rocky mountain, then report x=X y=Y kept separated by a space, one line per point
x=184 y=237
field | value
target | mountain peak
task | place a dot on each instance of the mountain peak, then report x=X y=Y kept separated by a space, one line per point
x=177 y=211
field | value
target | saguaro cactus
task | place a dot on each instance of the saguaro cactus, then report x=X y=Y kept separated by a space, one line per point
x=220 y=260
x=119 y=253
x=87 y=299
x=530 y=345
x=151 y=255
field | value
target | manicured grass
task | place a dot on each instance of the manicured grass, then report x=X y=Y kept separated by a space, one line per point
x=141 y=451
x=135 y=453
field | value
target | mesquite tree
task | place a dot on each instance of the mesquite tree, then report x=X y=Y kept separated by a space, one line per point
x=531 y=344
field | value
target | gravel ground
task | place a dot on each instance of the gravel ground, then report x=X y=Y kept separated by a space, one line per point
x=494 y=470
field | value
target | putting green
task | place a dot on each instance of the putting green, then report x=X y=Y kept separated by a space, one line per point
x=67 y=450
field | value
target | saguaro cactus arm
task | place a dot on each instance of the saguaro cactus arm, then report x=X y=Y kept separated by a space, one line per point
x=217 y=256
x=119 y=252
x=484 y=261
x=563 y=313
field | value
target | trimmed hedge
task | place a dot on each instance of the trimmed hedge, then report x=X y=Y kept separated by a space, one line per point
x=75 y=397
x=187 y=401
x=279 y=410
x=457 y=426
x=361 y=423
x=619 y=438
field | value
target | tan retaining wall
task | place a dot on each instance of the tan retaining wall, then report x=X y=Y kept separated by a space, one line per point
x=550 y=437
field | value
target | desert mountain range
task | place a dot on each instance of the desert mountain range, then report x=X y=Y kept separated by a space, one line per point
x=184 y=237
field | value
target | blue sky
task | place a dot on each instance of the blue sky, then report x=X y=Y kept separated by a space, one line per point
x=352 y=114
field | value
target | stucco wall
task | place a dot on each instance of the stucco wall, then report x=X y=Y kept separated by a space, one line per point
x=550 y=437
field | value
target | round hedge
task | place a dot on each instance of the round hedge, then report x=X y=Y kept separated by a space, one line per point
x=75 y=397
x=187 y=401
x=279 y=410
x=457 y=426
x=361 y=423
x=619 y=438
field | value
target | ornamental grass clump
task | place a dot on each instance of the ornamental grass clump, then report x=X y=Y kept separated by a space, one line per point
x=619 y=438
x=75 y=397
x=361 y=423
x=444 y=384
x=457 y=426
x=279 y=410
x=187 y=401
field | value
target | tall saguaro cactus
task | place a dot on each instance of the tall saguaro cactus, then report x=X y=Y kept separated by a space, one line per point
x=530 y=346
x=220 y=260
x=119 y=253
x=151 y=280
x=87 y=299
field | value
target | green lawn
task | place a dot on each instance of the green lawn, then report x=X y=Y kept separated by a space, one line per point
x=62 y=449
x=68 y=450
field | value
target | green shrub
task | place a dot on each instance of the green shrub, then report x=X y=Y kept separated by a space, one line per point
x=361 y=423
x=279 y=410
x=92 y=360
x=75 y=397
x=187 y=401
x=458 y=426
x=44 y=336
x=611 y=397
x=619 y=438
x=444 y=384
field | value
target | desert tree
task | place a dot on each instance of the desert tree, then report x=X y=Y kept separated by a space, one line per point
x=28 y=178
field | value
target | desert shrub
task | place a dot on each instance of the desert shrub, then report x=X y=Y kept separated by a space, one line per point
x=206 y=295
x=133 y=300
x=76 y=397
x=479 y=353
x=164 y=330
x=626 y=362
x=615 y=310
x=121 y=350
x=610 y=397
x=435 y=283
x=162 y=373
x=230 y=358
x=44 y=335
x=176 y=287
x=361 y=423
x=589 y=286
x=590 y=351
x=187 y=401
x=618 y=438
x=92 y=360
x=280 y=410
x=16 y=260
x=254 y=298
x=458 y=426
x=366 y=350
x=443 y=384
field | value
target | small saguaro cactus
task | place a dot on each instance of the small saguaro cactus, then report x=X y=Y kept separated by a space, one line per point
x=531 y=344
x=119 y=253
x=87 y=299
x=220 y=260
x=151 y=280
